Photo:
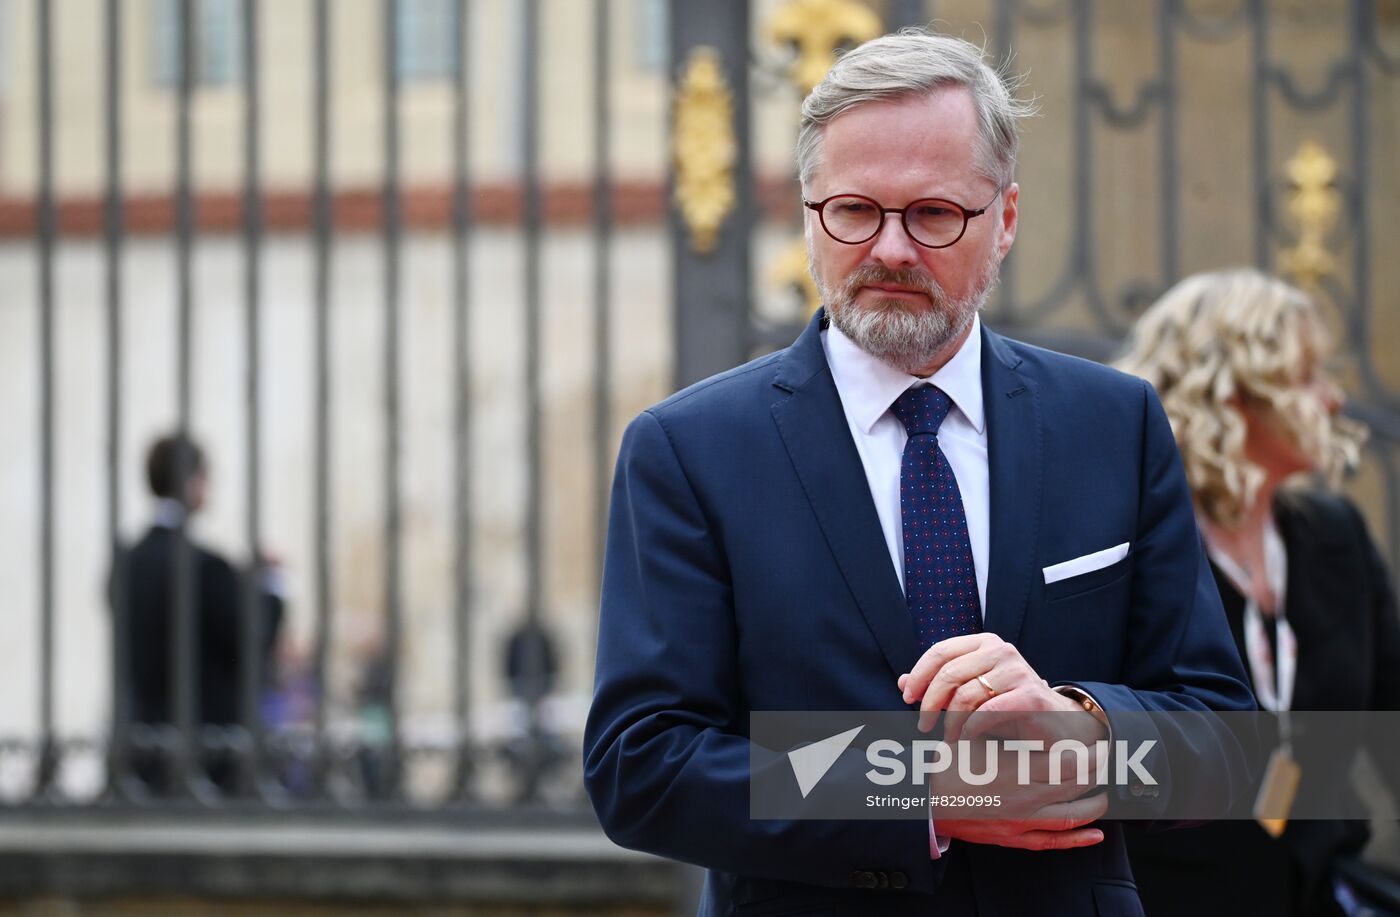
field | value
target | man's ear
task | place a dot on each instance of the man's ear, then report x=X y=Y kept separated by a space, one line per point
x=1009 y=213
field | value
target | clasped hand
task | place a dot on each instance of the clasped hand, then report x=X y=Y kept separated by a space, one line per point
x=989 y=690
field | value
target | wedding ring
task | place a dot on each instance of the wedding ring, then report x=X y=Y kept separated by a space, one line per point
x=991 y=692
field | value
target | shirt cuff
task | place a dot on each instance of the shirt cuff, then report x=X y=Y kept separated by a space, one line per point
x=937 y=846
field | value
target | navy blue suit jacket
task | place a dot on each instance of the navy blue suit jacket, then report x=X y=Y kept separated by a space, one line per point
x=746 y=570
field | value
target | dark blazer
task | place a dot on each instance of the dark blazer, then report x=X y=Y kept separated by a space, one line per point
x=745 y=570
x=1340 y=602
x=148 y=571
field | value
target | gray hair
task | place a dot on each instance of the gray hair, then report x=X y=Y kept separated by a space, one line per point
x=913 y=62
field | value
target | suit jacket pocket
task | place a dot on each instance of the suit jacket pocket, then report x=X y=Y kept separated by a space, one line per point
x=1084 y=582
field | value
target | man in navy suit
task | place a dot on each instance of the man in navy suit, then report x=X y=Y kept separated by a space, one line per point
x=769 y=545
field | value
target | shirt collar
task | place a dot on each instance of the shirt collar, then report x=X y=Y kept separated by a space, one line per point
x=169 y=513
x=868 y=386
x=1275 y=563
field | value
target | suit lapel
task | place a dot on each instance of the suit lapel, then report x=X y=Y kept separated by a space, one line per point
x=1014 y=457
x=818 y=441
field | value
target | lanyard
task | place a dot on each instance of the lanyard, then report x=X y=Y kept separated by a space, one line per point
x=1273 y=671
x=1273 y=684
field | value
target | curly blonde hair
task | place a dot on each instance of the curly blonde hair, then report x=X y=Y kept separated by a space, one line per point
x=1217 y=340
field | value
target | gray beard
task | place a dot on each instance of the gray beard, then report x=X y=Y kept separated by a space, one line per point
x=903 y=338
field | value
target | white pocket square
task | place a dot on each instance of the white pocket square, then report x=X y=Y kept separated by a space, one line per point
x=1086 y=564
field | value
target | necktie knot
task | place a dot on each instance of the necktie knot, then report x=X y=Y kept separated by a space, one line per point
x=922 y=409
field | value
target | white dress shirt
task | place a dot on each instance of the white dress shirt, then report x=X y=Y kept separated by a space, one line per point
x=868 y=387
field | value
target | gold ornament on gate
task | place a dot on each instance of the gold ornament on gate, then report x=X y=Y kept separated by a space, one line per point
x=1315 y=205
x=817 y=28
x=791 y=271
x=704 y=147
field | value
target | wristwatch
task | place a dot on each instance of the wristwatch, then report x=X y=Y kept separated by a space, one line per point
x=1083 y=699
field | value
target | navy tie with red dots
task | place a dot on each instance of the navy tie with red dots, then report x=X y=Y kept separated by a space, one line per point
x=940 y=582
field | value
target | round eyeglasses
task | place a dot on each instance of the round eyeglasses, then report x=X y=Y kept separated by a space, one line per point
x=931 y=222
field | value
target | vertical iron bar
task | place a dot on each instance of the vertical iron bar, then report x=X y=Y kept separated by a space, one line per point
x=901 y=13
x=1083 y=258
x=392 y=523
x=461 y=393
x=532 y=225
x=119 y=757
x=713 y=291
x=1086 y=93
x=321 y=228
x=602 y=274
x=1359 y=198
x=1167 y=179
x=1363 y=21
x=1003 y=33
x=185 y=626
x=533 y=662
x=48 y=230
x=252 y=635
x=1263 y=210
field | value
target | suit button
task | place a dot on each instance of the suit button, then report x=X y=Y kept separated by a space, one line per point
x=863 y=879
x=882 y=880
x=898 y=880
x=1136 y=789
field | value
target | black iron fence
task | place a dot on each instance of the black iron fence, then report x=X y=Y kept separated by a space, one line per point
x=347 y=752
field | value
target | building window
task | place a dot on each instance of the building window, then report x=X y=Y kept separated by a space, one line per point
x=4 y=48
x=650 y=39
x=424 y=38
x=218 y=41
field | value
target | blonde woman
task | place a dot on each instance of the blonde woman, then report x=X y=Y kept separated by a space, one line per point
x=1237 y=358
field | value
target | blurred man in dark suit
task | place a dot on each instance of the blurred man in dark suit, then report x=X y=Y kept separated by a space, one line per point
x=178 y=475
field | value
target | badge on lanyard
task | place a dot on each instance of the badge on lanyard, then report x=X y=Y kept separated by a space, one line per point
x=1274 y=679
x=1276 y=793
x=1274 y=672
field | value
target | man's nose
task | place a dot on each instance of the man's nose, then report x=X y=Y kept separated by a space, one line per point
x=893 y=247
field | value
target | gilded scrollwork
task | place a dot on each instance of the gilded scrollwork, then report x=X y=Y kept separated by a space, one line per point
x=704 y=147
x=1315 y=204
x=817 y=28
x=791 y=271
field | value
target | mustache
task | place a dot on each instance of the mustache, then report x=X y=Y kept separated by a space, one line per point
x=912 y=278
